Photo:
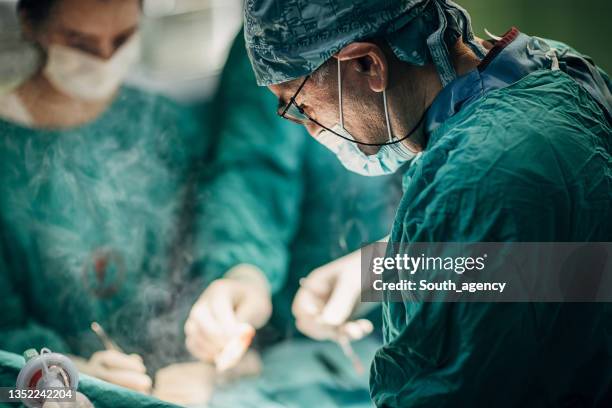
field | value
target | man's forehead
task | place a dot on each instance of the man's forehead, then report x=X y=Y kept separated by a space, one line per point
x=284 y=91
x=288 y=87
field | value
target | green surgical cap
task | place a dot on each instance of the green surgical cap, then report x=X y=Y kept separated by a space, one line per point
x=287 y=39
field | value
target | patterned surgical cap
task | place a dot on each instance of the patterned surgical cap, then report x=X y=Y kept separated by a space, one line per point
x=287 y=39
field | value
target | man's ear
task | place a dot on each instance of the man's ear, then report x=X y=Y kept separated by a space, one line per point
x=370 y=60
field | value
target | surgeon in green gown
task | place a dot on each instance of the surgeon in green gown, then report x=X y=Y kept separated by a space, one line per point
x=95 y=182
x=507 y=140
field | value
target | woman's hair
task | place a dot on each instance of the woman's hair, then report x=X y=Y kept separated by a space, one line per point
x=36 y=11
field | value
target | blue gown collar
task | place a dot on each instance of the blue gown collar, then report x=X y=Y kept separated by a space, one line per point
x=512 y=58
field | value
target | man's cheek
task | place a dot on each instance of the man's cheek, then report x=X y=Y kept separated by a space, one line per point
x=325 y=115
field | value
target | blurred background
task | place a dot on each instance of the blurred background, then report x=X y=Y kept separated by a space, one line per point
x=585 y=25
x=186 y=41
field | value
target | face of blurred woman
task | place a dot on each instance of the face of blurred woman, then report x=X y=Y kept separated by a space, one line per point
x=89 y=44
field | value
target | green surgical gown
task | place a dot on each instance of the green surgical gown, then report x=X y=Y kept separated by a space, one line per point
x=528 y=162
x=92 y=228
x=278 y=199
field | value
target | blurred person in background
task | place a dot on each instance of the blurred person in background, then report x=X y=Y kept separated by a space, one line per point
x=94 y=181
x=95 y=177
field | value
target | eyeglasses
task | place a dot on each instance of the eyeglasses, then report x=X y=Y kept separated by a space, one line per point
x=292 y=111
x=295 y=113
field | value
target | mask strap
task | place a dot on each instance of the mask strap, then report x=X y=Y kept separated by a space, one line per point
x=390 y=133
x=340 y=95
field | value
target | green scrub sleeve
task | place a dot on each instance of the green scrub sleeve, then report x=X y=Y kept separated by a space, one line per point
x=251 y=206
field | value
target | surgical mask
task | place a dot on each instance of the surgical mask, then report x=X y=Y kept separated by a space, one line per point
x=390 y=157
x=87 y=77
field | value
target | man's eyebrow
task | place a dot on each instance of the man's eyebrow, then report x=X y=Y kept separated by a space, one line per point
x=127 y=33
x=282 y=105
x=79 y=35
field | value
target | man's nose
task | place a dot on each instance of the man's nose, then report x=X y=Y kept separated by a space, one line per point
x=312 y=128
x=106 y=50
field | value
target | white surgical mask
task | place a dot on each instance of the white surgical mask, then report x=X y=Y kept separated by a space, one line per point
x=386 y=161
x=87 y=77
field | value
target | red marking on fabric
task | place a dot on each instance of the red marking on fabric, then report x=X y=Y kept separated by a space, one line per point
x=100 y=267
x=498 y=47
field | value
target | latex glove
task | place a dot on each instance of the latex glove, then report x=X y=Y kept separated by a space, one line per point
x=81 y=401
x=223 y=320
x=118 y=368
x=328 y=297
x=193 y=383
x=185 y=384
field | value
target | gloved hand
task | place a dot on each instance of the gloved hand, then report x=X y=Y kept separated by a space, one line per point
x=223 y=320
x=115 y=367
x=328 y=297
